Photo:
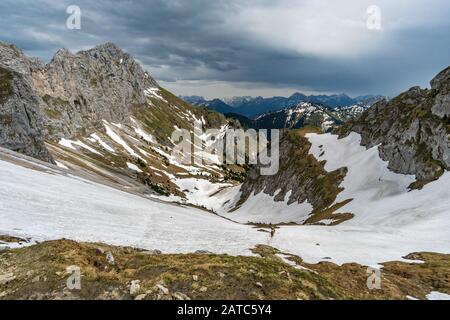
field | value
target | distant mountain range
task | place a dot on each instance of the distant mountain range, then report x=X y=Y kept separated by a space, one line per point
x=214 y=104
x=252 y=107
x=301 y=115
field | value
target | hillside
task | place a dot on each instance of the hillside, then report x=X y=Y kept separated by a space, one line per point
x=146 y=275
x=153 y=260
x=98 y=112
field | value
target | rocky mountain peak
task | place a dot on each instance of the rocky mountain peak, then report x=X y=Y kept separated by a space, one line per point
x=440 y=85
x=67 y=96
x=61 y=54
x=441 y=80
x=13 y=58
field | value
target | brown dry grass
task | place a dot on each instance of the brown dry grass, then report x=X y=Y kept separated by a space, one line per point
x=40 y=273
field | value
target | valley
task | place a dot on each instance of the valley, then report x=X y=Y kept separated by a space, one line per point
x=88 y=166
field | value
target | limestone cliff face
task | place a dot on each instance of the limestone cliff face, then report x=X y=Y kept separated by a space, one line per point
x=21 y=120
x=78 y=90
x=413 y=129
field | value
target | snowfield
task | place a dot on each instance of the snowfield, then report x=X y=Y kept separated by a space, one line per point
x=52 y=205
x=261 y=208
x=389 y=222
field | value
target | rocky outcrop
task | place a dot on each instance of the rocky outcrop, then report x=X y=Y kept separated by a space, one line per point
x=413 y=129
x=21 y=120
x=441 y=85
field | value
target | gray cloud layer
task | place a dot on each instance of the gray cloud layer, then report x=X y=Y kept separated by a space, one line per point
x=315 y=46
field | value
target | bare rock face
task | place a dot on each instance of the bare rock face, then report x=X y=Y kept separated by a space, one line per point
x=79 y=90
x=21 y=121
x=441 y=85
x=413 y=129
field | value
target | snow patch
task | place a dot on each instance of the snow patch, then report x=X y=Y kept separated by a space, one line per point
x=59 y=164
x=261 y=208
x=133 y=167
x=95 y=137
x=47 y=206
x=116 y=138
x=435 y=295
x=153 y=92
x=69 y=144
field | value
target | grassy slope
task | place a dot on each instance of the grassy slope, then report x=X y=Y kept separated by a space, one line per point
x=38 y=272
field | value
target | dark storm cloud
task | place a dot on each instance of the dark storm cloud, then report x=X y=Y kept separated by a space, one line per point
x=194 y=40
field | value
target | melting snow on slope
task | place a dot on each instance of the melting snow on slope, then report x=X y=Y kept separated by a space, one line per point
x=389 y=221
x=153 y=92
x=261 y=208
x=200 y=191
x=52 y=206
x=133 y=167
x=102 y=143
x=376 y=191
x=69 y=144
x=146 y=136
x=116 y=138
x=59 y=164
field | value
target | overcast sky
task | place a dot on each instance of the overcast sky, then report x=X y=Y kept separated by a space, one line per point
x=219 y=48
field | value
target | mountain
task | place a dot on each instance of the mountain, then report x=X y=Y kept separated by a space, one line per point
x=98 y=112
x=369 y=100
x=376 y=158
x=333 y=101
x=302 y=115
x=195 y=100
x=255 y=107
x=242 y=121
x=237 y=101
x=21 y=124
x=259 y=105
x=214 y=104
